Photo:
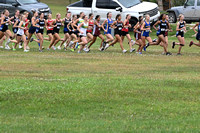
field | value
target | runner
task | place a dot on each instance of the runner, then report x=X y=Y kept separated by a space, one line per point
x=118 y=26
x=180 y=28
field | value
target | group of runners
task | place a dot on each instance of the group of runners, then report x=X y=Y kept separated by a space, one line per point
x=81 y=32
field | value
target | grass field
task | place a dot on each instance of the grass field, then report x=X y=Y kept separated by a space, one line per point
x=61 y=92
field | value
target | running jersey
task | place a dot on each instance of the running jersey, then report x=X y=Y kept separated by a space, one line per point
x=6 y=19
x=119 y=27
x=84 y=28
x=181 y=25
x=138 y=35
x=49 y=24
x=80 y=21
x=20 y=30
x=97 y=29
x=146 y=32
x=15 y=19
x=41 y=23
x=90 y=27
x=26 y=25
x=58 y=25
x=162 y=27
x=110 y=22
x=126 y=28
x=67 y=21
x=199 y=29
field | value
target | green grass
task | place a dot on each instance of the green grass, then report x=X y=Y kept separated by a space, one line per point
x=60 y=91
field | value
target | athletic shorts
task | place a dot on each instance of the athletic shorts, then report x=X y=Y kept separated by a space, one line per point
x=65 y=30
x=198 y=37
x=166 y=33
x=15 y=30
x=55 y=31
x=118 y=32
x=82 y=36
x=124 y=33
x=138 y=36
x=108 y=32
x=180 y=34
x=32 y=30
x=160 y=33
x=145 y=34
x=4 y=28
x=39 y=31
x=49 y=32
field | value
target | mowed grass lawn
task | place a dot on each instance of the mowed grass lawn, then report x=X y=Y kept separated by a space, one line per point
x=60 y=91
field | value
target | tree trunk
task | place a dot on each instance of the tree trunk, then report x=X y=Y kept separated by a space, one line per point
x=160 y=5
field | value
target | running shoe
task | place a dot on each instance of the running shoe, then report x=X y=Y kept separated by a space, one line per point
x=8 y=41
x=7 y=47
x=31 y=40
x=77 y=45
x=173 y=45
x=65 y=44
x=147 y=45
x=71 y=43
x=1 y=46
x=155 y=40
x=27 y=47
x=124 y=51
x=59 y=48
x=191 y=43
x=132 y=50
x=14 y=49
x=140 y=53
x=107 y=46
x=178 y=54
x=26 y=50
x=145 y=49
x=20 y=46
x=72 y=50
x=168 y=53
x=53 y=47
x=132 y=42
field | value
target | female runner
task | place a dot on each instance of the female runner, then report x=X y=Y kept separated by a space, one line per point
x=66 y=21
x=57 y=25
x=82 y=28
x=180 y=28
x=49 y=28
x=125 y=32
x=32 y=30
x=118 y=25
x=197 y=34
x=107 y=29
x=137 y=34
x=40 y=31
x=97 y=33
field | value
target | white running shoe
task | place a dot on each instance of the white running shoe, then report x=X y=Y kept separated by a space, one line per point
x=85 y=49
x=124 y=51
x=20 y=46
x=27 y=47
x=53 y=47
x=133 y=49
x=65 y=44
x=7 y=47
x=8 y=41
x=71 y=43
x=59 y=48
x=132 y=42
x=26 y=50
x=1 y=46
x=107 y=46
